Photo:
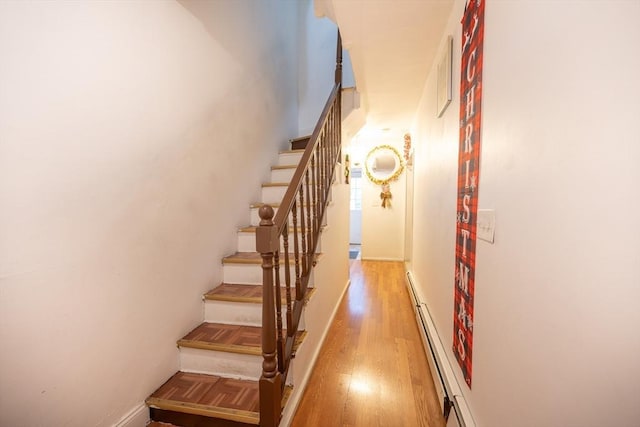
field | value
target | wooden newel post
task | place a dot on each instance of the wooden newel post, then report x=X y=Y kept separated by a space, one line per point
x=271 y=380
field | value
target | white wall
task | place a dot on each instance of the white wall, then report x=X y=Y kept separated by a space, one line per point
x=348 y=79
x=408 y=216
x=317 y=64
x=122 y=125
x=555 y=334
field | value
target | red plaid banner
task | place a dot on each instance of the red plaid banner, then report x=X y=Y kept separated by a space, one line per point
x=468 y=178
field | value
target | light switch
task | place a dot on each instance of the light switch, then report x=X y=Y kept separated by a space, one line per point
x=486 y=225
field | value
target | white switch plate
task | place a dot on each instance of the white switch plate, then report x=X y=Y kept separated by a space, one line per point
x=486 y=226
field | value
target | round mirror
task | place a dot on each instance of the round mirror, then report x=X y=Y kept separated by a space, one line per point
x=383 y=164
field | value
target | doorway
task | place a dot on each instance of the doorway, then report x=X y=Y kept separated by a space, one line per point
x=355 y=217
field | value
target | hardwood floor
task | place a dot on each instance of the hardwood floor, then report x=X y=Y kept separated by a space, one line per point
x=372 y=370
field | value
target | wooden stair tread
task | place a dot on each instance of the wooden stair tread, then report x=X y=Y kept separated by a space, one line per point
x=273 y=205
x=243 y=258
x=254 y=258
x=281 y=184
x=300 y=138
x=281 y=167
x=252 y=229
x=298 y=151
x=261 y=204
x=244 y=293
x=222 y=337
x=209 y=396
x=235 y=293
x=239 y=339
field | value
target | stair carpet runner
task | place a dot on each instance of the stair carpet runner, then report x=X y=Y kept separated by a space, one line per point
x=221 y=359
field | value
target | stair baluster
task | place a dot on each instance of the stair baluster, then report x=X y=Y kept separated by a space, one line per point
x=310 y=188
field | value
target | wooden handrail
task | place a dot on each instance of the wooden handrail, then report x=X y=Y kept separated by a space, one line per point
x=299 y=218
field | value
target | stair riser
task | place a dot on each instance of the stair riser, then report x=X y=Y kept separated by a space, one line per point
x=251 y=274
x=255 y=216
x=174 y=418
x=230 y=365
x=247 y=243
x=236 y=313
x=273 y=194
x=285 y=159
x=282 y=175
x=248 y=274
x=276 y=194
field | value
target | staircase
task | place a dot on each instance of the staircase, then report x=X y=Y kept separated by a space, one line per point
x=221 y=359
x=235 y=366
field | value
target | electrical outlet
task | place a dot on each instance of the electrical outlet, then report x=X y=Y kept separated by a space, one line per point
x=486 y=225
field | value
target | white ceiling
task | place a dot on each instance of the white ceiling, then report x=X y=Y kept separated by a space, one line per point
x=392 y=45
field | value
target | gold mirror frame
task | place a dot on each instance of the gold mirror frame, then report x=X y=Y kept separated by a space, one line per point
x=396 y=172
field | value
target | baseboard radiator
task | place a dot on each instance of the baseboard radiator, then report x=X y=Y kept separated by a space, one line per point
x=452 y=402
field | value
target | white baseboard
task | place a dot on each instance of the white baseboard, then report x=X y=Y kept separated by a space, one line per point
x=137 y=417
x=294 y=400
x=460 y=415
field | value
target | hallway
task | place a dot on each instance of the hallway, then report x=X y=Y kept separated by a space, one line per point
x=371 y=370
